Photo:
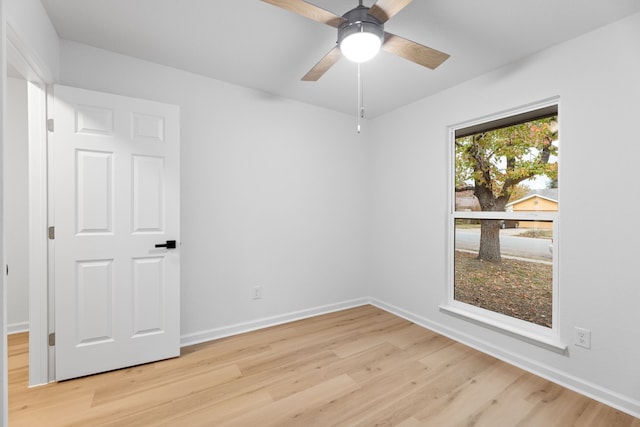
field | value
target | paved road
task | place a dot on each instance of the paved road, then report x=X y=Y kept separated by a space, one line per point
x=525 y=247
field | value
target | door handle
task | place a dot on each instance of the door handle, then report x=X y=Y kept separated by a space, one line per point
x=171 y=244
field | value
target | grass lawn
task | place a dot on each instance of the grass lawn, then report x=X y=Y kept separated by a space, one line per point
x=516 y=288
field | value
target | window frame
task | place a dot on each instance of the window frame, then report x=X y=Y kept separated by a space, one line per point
x=521 y=329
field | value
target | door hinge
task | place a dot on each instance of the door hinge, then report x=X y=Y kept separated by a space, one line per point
x=50 y=125
x=52 y=339
x=52 y=233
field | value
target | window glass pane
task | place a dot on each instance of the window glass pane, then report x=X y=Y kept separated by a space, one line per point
x=520 y=284
x=496 y=168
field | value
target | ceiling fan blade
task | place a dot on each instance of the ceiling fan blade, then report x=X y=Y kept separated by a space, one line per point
x=309 y=10
x=415 y=52
x=323 y=65
x=385 y=9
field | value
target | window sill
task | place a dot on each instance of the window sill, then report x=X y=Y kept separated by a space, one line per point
x=542 y=340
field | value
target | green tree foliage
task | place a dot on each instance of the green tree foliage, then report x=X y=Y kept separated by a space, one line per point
x=518 y=192
x=496 y=162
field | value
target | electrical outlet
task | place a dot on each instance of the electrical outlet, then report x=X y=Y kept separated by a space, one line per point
x=583 y=338
x=256 y=292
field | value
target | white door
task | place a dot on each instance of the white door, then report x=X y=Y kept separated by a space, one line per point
x=115 y=196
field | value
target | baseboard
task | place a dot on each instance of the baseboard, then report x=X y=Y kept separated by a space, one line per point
x=226 y=331
x=16 y=328
x=608 y=397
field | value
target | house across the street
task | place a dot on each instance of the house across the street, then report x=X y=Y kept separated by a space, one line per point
x=544 y=200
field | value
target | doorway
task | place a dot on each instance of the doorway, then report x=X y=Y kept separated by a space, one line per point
x=16 y=203
x=27 y=184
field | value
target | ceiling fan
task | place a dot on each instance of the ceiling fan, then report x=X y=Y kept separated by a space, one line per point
x=362 y=25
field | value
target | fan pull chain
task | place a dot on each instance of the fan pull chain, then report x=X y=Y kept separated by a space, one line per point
x=360 y=99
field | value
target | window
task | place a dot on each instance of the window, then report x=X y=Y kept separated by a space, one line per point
x=503 y=221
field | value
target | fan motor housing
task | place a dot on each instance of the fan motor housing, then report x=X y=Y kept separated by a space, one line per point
x=359 y=20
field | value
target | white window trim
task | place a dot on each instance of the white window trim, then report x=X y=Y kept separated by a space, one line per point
x=548 y=338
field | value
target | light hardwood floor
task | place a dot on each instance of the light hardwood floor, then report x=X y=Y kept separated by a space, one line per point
x=358 y=367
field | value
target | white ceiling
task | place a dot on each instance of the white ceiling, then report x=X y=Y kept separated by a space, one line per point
x=257 y=45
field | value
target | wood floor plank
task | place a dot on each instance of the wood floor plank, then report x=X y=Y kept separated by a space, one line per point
x=465 y=404
x=288 y=411
x=596 y=414
x=373 y=394
x=423 y=392
x=515 y=397
x=356 y=367
x=410 y=422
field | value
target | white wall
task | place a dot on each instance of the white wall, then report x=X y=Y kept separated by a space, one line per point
x=596 y=77
x=273 y=194
x=16 y=199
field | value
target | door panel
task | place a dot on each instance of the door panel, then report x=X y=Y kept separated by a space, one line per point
x=94 y=290
x=148 y=295
x=148 y=194
x=94 y=200
x=115 y=196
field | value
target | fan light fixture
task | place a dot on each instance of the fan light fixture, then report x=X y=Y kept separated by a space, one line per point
x=362 y=19
x=361 y=36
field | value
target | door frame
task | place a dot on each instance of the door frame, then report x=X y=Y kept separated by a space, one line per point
x=39 y=79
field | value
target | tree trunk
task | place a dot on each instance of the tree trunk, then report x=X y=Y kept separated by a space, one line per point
x=489 y=228
x=490 y=240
